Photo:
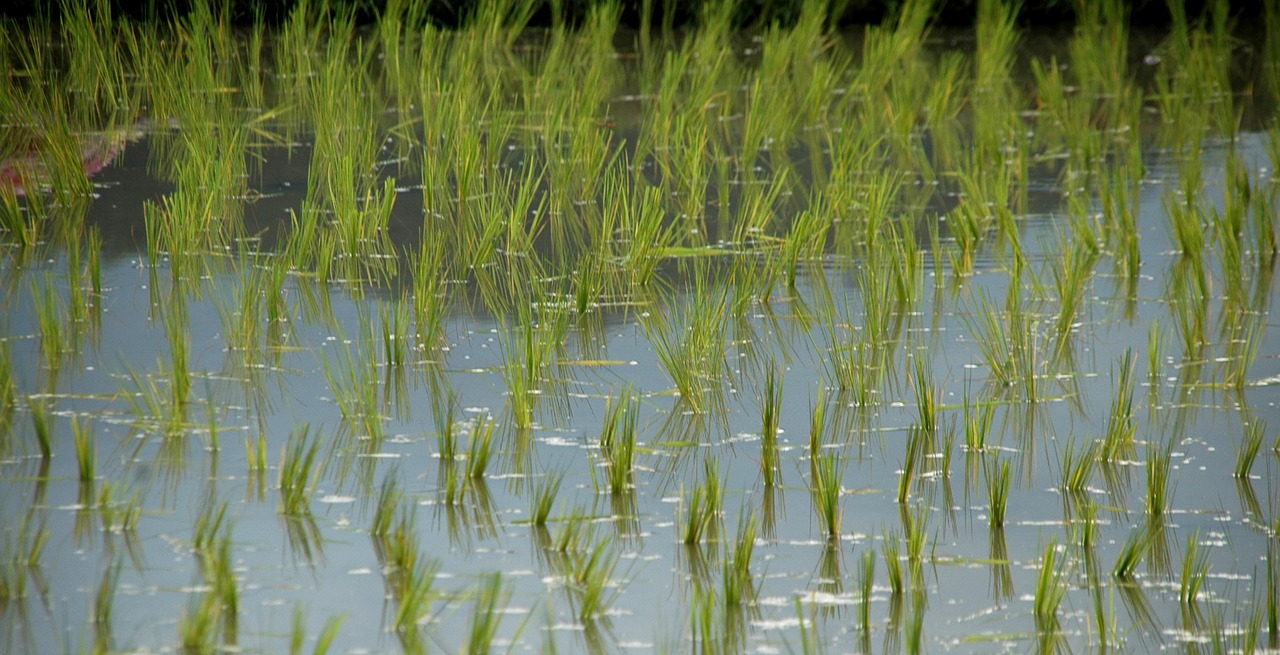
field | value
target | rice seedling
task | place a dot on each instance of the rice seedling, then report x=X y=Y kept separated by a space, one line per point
x=486 y=616
x=86 y=456
x=219 y=573
x=1008 y=341
x=40 y=421
x=480 y=446
x=1273 y=594
x=255 y=452
x=692 y=351
x=771 y=407
x=737 y=587
x=525 y=356
x=1131 y=554
x=1070 y=278
x=1051 y=588
x=384 y=511
x=618 y=439
x=998 y=493
x=977 y=425
x=197 y=627
x=118 y=516
x=926 y=406
x=1189 y=293
x=543 y=499
x=52 y=317
x=892 y=550
x=591 y=577
x=1248 y=450
x=324 y=640
x=353 y=380
x=1195 y=569
x=997 y=41
x=817 y=426
x=828 y=470
x=914 y=636
x=103 y=609
x=704 y=507
x=915 y=454
x=413 y=589
x=1117 y=442
x=299 y=471
x=866 y=581
x=1077 y=466
x=1159 y=464
x=8 y=393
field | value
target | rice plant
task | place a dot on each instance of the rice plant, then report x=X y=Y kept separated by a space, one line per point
x=737 y=587
x=591 y=578
x=998 y=493
x=86 y=456
x=692 y=351
x=1248 y=450
x=915 y=455
x=866 y=582
x=618 y=439
x=480 y=446
x=1195 y=569
x=817 y=426
x=543 y=499
x=299 y=471
x=1051 y=588
x=977 y=425
x=926 y=404
x=103 y=612
x=1077 y=466
x=324 y=640
x=1131 y=554
x=828 y=470
x=40 y=420
x=1272 y=591
x=1159 y=463
x=1117 y=441
x=703 y=507
x=770 y=409
x=486 y=616
x=8 y=392
x=1009 y=343
x=118 y=516
x=892 y=551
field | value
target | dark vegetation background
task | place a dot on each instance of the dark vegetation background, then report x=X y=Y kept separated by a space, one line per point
x=683 y=13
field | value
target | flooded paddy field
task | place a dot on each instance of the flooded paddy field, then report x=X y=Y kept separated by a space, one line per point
x=339 y=338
